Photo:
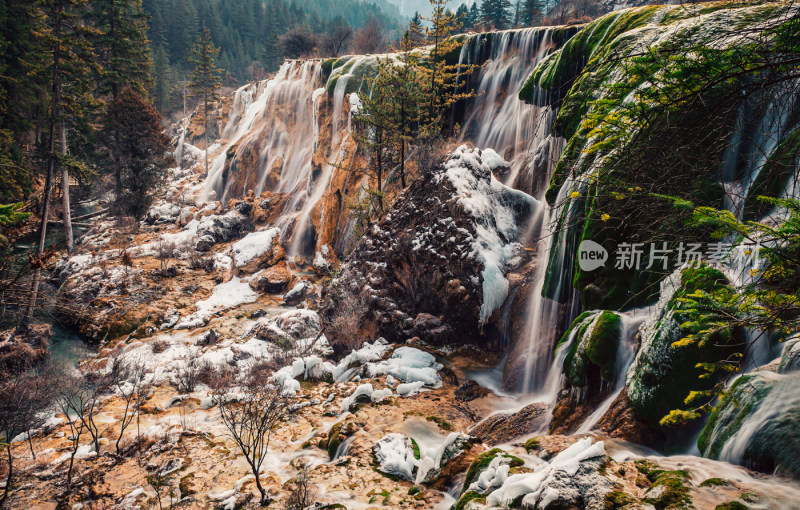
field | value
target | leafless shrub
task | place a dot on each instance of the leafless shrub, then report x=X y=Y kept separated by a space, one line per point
x=77 y=398
x=369 y=38
x=188 y=373
x=345 y=322
x=159 y=481
x=304 y=494
x=166 y=251
x=159 y=345
x=250 y=408
x=127 y=377
x=23 y=398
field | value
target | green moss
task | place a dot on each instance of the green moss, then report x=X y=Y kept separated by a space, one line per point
x=674 y=492
x=467 y=497
x=714 y=482
x=335 y=438
x=618 y=499
x=732 y=505
x=594 y=349
x=441 y=422
x=415 y=447
x=532 y=444
x=482 y=462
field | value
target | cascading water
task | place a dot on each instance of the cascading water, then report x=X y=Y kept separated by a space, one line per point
x=631 y=321
x=496 y=118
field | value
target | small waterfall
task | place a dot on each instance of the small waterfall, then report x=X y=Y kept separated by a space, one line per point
x=496 y=118
x=631 y=321
x=267 y=135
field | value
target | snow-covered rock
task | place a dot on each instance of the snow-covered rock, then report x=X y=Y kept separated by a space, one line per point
x=395 y=456
x=458 y=228
x=256 y=250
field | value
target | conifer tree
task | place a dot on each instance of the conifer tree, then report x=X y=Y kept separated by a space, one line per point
x=70 y=67
x=416 y=31
x=205 y=78
x=531 y=12
x=139 y=146
x=122 y=45
x=441 y=75
x=496 y=13
x=21 y=65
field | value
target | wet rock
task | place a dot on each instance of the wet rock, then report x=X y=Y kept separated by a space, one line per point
x=504 y=427
x=420 y=270
x=297 y=294
x=661 y=376
x=620 y=421
x=790 y=357
x=162 y=213
x=244 y=208
x=187 y=215
x=470 y=391
x=757 y=424
x=210 y=337
x=273 y=280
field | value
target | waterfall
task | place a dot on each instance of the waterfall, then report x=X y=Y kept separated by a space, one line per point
x=626 y=352
x=496 y=118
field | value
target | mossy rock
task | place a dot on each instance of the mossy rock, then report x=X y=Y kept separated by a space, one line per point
x=467 y=497
x=732 y=505
x=663 y=373
x=767 y=406
x=715 y=482
x=618 y=499
x=336 y=436
x=592 y=356
x=482 y=462
x=670 y=490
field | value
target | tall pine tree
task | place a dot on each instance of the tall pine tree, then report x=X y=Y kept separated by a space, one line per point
x=122 y=45
x=496 y=13
x=205 y=79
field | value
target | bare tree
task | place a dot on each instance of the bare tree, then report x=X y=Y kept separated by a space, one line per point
x=188 y=372
x=369 y=38
x=339 y=32
x=304 y=494
x=23 y=398
x=165 y=251
x=250 y=411
x=128 y=378
x=297 y=42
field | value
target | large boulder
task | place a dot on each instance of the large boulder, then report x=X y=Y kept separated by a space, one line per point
x=435 y=266
x=257 y=250
x=757 y=424
x=665 y=370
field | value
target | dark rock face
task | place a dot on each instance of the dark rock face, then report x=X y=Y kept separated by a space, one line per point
x=471 y=390
x=504 y=427
x=420 y=271
x=620 y=421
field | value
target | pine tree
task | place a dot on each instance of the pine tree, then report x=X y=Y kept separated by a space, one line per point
x=496 y=13
x=71 y=67
x=21 y=66
x=462 y=13
x=474 y=15
x=161 y=76
x=122 y=45
x=441 y=91
x=531 y=13
x=393 y=110
x=205 y=78
x=139 y=146
x=416 y=32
